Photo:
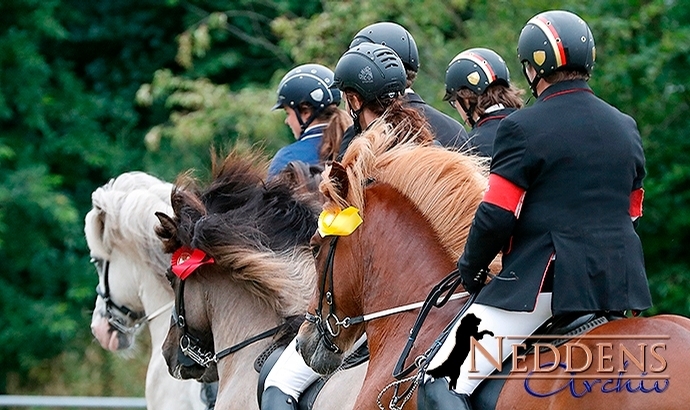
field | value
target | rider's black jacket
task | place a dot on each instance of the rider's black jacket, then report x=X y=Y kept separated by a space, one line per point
x=481 y=137
x=578 y=159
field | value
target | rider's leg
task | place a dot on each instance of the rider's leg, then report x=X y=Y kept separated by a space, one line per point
x=290 y=376
x=501 y=323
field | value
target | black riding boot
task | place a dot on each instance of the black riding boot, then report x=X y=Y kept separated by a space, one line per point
x=435 y=395
x=209 y=392
x=274 y=399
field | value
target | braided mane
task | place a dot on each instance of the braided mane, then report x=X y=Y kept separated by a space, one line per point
x=446 y=186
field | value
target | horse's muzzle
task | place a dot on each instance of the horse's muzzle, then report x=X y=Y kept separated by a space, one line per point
x=314 y=353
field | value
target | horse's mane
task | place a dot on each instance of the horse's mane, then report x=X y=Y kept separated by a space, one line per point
x=123 y=214
x=258 y=233
x=446 y=186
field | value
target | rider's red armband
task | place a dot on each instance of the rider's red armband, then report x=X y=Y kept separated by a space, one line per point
x=504 y=194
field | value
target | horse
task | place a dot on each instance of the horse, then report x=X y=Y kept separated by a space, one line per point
x=132 y=289
x=254 y=274
x=417 y=204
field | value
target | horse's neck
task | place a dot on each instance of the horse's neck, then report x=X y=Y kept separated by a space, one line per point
x=236 y=315
x=404 y=270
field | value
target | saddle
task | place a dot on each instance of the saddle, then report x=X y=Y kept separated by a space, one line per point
x=570 y=325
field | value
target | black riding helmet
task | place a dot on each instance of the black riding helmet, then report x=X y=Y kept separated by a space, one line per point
x=556 y=40
x=394 y=36
x=373 y=70
x=475 y=69
x=307 y=83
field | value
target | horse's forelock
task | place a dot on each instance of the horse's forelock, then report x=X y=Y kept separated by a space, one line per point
x=123 y=214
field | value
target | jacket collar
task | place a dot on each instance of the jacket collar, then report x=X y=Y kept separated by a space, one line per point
x=564 y=86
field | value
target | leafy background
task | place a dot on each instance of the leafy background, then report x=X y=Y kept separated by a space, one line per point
x=89 y=90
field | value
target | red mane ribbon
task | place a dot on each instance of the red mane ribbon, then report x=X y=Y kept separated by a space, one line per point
x=186 y=260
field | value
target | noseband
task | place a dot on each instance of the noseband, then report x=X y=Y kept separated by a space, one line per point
x=120 y=317
x=191 y=345
x=329 y=327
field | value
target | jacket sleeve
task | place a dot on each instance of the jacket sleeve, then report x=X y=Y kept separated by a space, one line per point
x=499 y=211
x=491 y=229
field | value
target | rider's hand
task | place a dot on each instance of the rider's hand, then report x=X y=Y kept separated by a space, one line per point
x=473 y=282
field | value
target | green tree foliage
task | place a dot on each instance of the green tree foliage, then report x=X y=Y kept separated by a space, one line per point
x=68 y=72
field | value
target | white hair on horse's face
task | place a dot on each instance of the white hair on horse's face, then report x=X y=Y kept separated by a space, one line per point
x=123 y=215
x=119 y=230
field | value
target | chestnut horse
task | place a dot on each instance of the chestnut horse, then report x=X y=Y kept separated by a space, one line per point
x=255 y=273
x=417 y=204
x=132 y=289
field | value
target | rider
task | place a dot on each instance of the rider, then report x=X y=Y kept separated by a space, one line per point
x=373 y=88
x=446 y=130
x=372 y=78
x=478 y=87
x=565 y=187
x=317 y=124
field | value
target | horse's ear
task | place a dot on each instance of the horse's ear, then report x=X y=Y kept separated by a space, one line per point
x=167 y=232
x=338 y=177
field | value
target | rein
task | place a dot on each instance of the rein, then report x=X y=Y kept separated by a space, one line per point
x=190 y=345
x=122 y=318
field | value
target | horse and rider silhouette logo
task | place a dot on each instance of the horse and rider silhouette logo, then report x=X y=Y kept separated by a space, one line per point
x=469 y=327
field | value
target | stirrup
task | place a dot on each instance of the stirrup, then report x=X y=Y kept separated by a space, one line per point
x=274 y=399
x=435 y=395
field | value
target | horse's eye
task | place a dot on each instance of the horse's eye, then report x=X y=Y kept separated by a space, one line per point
x=98 y=263
x=315 y=248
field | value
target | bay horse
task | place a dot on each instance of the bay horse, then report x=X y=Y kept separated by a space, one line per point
x=417 y=204
x=132 y=290
x=262 y=275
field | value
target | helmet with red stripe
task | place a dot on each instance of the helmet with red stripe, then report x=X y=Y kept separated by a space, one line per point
x=557 y=40
x=475 y=69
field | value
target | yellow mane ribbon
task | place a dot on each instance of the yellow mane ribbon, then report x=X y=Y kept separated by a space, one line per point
x=339 y=223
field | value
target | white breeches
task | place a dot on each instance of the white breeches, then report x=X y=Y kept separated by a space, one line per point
x=290 y=373
x=501 y=323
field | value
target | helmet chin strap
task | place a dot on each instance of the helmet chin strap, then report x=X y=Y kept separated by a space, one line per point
x=356 y=126
x=468 y=111
x=532 y=84
x=305 y=124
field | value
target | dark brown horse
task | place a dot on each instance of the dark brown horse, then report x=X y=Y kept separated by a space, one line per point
x=416 y=204
x=262 y=273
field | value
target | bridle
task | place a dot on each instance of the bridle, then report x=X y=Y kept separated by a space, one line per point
x=330 y=327
x=191 y=346
x=120 y=317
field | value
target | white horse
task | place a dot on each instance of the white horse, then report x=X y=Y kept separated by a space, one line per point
x=132 y=289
